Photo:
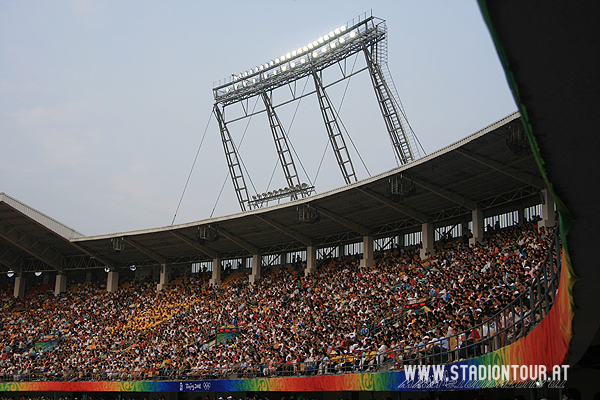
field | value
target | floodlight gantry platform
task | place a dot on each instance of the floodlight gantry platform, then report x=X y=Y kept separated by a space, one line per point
x=367 y=34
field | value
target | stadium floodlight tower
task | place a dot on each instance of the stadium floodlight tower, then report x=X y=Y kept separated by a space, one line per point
x=367 y=34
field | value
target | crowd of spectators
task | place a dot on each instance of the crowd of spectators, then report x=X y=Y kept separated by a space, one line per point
x=343 y=318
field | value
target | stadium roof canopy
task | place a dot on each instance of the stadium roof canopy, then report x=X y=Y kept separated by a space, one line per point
x=480 y=171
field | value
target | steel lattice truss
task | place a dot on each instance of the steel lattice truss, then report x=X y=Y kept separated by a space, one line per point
x=366 y=34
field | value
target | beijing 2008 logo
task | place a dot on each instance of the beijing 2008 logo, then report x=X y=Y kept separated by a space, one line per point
x=206 y=385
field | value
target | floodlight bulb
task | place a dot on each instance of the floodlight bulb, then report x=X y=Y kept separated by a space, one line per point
x=342 y=40
x=132 y=267
x=352 y=34
x=337 y=31
x=343 y=28
x=240 y=76
x=277 y=60
x=326 y=37
x=262 y=67
x=302 y=60
x=272 y=62
x=235 y=86
x=10 y=273
x=227 y=90
x=253 y=80
x=324 y=49
x=315 y=43
x=305 y=48
x=37 y=273
x=256 y=69
x=294 y=53
x=310 y=46
x=292 y=64
x=321 y=40
x=282 y=58
x=274 y=72
x=265 y=75
x=245 y=73
x=332 y=45
x=283 y=67
x=245 y=83
x=288 y=55
x=107 y=270
x=315 y=54
x=299 y=51
x=235 y=78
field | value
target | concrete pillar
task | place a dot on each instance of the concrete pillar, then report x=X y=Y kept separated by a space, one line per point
x=112 y=281
x=61 y=284
x=311 y=260
x=163 y=279
x=400 y=241
x=282 y=258
x=341 y=251
x=216 y=272
x=19 y=286
x=548 y=219
x=477 y=227
x=256 y=268
x=521 y=215
x=88 y=276
x=45 y=278
x=367 y=260
x=428 y=240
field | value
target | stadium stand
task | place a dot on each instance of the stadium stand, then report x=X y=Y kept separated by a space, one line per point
x=457 y=304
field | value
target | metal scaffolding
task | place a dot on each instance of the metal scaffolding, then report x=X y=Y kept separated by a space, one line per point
x=365 y=34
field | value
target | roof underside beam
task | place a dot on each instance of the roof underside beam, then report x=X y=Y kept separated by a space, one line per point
x=32 y=246
x=411 y=212
x=343 y=221
x=445 y=193
x=157 y=257
x=512 y=172
x=94 y=254
x=291 y=233
x=11 y=259
x=240 y=242
x=209 y=252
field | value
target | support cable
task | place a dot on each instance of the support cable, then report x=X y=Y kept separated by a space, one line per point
x=192 y=169
x=286 y=133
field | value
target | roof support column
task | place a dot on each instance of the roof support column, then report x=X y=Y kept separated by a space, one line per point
x=61 y=283
x=521 y=214
x=216 y=272
x=112 y=281
x=19 y=286
x=311 y=260
x=548 y=219
x=428 y=240
x=367 y=260
x=163 y=279
x=477 y=227
x=256 y=268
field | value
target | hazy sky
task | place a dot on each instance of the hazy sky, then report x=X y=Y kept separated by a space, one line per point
x=103 y=104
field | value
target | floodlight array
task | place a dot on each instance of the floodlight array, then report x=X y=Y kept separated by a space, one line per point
x=318 y=54
x=293 y=192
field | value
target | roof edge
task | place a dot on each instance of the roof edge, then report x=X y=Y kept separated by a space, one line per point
x=40 y=218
